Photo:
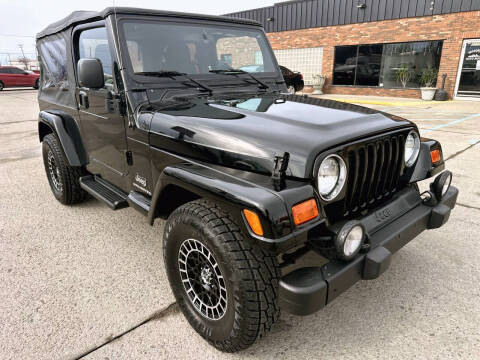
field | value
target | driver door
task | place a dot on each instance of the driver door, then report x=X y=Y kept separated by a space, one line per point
x=103 y=127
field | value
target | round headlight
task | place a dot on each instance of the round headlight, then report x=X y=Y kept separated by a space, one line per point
x=331 y=177
x=349 y=240
x=412 y=148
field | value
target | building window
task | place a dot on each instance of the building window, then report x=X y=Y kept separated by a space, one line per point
x=258 y=58
x=381 y=64
x=226 y=58
x=411 y=58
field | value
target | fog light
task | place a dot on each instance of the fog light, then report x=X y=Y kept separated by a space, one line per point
x=349 y=240
x=441 y=184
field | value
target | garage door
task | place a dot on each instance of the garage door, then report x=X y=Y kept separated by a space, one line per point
x=308 y=61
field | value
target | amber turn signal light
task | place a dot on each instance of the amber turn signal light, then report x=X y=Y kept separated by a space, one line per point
x=304 y=211
x=435 y=155
x=253 y=221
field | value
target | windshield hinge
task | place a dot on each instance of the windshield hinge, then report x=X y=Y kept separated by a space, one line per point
x=115 y=103
x=279 y=171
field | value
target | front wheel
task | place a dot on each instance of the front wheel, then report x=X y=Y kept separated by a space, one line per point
x=35 y=86
x=291 y=89
x=225 y=285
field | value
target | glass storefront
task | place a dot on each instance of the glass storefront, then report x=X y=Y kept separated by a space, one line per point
x=469 y=78
x=386 y=65
x=411 y=59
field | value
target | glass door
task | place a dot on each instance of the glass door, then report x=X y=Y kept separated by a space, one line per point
x=468 y=78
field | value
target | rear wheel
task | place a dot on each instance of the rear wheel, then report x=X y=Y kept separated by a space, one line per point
x=63 y=178
x=1 y=86
x=291 y=89
x=225 y=285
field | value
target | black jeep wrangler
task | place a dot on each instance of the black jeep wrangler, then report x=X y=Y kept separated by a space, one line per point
x=165 y=113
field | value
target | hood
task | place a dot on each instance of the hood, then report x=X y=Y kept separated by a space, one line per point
x=248 y=133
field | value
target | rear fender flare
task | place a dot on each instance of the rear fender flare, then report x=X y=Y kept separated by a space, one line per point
x=67 y=131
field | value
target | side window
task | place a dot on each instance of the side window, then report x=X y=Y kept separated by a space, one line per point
x=93 y=43
x=16 y=71
x=4 y=71
x=53 y=54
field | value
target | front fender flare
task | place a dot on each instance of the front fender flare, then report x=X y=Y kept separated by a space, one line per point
x=230 y=192
x=424 y=167
x=68 y=133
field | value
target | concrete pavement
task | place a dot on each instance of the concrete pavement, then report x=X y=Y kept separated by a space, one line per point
x=87 y=282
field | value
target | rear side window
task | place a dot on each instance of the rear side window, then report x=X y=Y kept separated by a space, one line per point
x=54 y=61
x=93 y=43
x=5 y=71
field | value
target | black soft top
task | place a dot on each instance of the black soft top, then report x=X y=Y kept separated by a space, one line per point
x=78 y=17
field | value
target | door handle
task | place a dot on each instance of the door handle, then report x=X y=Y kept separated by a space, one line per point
x=83 y=99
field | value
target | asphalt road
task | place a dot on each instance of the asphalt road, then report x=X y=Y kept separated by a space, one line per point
x=74 y=279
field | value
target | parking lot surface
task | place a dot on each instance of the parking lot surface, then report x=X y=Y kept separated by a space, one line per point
x=87 y=282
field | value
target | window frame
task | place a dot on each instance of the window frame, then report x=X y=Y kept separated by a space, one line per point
x=76 y=47
x=168 y=82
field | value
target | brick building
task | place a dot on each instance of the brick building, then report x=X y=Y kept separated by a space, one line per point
x=367 y=47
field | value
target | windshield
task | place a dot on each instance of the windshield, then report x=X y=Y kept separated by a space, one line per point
x=192 y=49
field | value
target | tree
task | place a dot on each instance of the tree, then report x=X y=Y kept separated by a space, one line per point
x=25 y=61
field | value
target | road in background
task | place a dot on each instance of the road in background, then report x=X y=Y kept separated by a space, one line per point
x=73 y=279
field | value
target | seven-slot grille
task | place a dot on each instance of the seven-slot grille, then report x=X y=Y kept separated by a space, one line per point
x=374 y=170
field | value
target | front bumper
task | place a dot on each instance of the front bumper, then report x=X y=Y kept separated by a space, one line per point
x=306 y=290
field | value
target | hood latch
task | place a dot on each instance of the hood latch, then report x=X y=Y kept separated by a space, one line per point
x=279 y=171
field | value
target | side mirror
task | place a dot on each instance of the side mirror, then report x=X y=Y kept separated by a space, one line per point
x=90 y=73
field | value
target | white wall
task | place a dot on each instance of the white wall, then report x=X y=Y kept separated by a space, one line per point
x=308 y=61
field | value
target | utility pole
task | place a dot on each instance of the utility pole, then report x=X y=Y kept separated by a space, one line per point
x=21 y=48
x=25 y=61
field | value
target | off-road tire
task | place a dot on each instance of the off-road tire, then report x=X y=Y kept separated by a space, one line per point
x=251 y=274
x=35 y=86
x=2 y=86
x=70 y=191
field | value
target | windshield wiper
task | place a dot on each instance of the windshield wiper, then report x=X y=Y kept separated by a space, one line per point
x=232 y=71
x=172 y=74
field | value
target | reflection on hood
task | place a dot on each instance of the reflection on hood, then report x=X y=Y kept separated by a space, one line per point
x=248 y=132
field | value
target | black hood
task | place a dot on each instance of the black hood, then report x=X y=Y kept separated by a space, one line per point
x=248 y=133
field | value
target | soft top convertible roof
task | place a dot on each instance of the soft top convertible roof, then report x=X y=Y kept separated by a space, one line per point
x=78 y=17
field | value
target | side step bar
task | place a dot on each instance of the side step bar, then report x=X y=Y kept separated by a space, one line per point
x=102 y=190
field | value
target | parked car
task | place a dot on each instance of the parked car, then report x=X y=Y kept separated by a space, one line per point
x=249 y=179
x=12 y=76
x=294 y=80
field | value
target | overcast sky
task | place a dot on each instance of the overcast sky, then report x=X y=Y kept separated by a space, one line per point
x=24 y=18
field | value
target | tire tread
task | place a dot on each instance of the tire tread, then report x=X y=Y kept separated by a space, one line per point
x=258 y=270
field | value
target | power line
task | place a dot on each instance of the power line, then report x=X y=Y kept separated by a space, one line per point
x=12 y=35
